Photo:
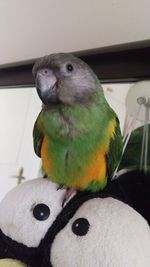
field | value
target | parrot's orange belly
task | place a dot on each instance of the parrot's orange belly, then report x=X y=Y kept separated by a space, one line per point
x=95 y=172
x=47 y=162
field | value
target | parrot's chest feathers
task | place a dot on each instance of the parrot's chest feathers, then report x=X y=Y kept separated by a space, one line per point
x=75 y=163
x=71 y=133
x=59 y=125
x=75 y=147
x=67 y=126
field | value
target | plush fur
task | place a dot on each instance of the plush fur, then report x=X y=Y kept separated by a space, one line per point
x=133 y=187
x=20 y=232
x=11 y=263
x=112 y=232
x=16 y=211
x=115 y=234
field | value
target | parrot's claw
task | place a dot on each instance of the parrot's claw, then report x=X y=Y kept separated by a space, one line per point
x=68 y=195
x=60 y=187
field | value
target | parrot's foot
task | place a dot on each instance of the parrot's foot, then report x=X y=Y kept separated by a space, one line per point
x=68 y=195
x=60 y=187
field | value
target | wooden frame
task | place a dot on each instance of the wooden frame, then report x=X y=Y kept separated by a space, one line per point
x=120 y=63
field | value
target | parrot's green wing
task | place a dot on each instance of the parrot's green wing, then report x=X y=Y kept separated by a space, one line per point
x=38 y=136
x=115 y=150
x=132 y=154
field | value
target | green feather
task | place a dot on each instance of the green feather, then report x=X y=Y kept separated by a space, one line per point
x=74 y=133
x=115 y=150
x=38 y=136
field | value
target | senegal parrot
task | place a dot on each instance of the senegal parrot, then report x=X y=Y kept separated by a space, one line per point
x=77 y=134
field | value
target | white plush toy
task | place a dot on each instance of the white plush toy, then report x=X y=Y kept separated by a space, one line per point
x=92 y=230
x=103 y=232
x=26 y=214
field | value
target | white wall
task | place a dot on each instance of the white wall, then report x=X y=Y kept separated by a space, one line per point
x=33 y=28
x=19 y=109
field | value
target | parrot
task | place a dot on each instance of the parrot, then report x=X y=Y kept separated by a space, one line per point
x=76 y=134
x=131 y=158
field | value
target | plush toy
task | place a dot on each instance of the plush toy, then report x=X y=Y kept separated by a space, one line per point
x=99 y=232
x=11 y=263
x=26 y=214
x=92 y=230
x=133 y=187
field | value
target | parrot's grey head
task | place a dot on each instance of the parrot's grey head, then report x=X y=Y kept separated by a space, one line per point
x=64 y=78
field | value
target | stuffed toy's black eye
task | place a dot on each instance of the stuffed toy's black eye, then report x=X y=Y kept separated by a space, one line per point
x=41 y=212
x=69 y=67
x=80 y=226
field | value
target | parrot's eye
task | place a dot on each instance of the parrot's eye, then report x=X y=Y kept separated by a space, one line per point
x=41 y=212
x=69 y=67
x=80 y=227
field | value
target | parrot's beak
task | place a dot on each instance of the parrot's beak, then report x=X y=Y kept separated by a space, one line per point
x=46 y=85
